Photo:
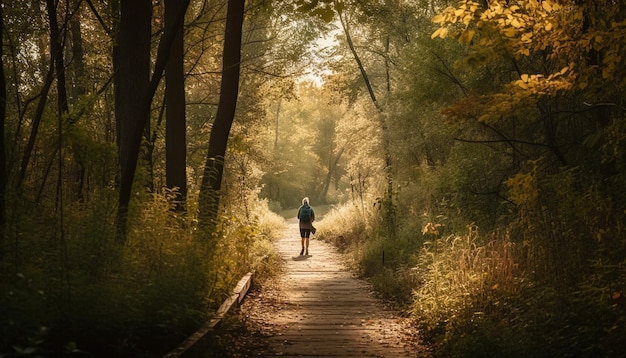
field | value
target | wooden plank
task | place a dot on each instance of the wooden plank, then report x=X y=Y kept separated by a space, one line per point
x=243 y=286
x=226 y=306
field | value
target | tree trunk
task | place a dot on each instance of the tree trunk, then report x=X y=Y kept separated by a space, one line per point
x=133 y=40
x=214 y=166
x=77 y=90
x=175 y=125
x=78 y=54
x=56 y=48
x=3 y=166
x=134 y=97
x=34 y=130
x=332 y=167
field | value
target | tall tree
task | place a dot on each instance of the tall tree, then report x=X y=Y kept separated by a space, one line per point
x=3 y=107
x=175 y=132
x=57 y=39
x=133 y=78
x=136 y=90
x=56 y=48
x=77 y=89
x=218 y=141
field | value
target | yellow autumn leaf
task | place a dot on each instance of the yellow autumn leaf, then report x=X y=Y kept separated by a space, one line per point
x=438 y=19
x=548 y=26
x=527 y=37
x=521 y=84
x=467 y=19
x=546 y=6
x=524 y=77
x=440 y=32
x=436 y=33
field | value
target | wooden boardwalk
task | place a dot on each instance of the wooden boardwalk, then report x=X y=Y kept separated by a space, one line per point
x=320 y=309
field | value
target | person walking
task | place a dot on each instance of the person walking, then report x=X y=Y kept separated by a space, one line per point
x=306 y=216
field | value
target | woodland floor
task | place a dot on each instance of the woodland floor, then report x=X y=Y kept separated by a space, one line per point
x=316 y=308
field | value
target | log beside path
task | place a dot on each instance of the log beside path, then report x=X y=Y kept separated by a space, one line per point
x=317 y=308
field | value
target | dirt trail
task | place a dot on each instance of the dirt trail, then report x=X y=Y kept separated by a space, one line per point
x=319 y=309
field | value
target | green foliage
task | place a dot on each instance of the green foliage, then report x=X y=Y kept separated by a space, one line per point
x=83 y=292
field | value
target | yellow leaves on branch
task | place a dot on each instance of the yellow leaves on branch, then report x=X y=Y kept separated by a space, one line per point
x=521 y=94
x=518 y=22
x=538 y=84
x=464 y=14
x=441 y=32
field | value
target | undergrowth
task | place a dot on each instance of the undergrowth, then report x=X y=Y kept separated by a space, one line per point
x=76 y=292
x=478 y=294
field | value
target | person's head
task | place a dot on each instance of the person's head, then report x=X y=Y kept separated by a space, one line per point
x=305 y=201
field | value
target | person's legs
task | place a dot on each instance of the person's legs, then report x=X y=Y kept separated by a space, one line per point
x=302 y=237
x=306 y=241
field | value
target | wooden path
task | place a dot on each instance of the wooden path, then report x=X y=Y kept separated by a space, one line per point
x=320 y=309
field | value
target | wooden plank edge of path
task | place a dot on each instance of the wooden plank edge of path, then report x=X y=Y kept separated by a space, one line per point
x=195 y=344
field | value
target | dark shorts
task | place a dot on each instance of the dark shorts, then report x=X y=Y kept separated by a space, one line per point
x=305 y=233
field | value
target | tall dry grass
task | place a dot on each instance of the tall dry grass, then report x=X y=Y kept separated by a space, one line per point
x=460 y=274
